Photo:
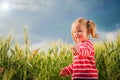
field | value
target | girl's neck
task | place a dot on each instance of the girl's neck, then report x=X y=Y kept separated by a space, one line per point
x=83 y=41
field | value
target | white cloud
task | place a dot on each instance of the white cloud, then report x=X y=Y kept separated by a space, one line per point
x=31 y=4
x=42 y=45
x=111 y=36
x=108 y=35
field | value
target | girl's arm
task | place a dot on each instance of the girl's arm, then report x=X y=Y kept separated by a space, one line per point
x=67 y=70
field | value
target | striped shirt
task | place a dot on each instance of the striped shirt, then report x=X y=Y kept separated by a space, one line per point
x=83 y=66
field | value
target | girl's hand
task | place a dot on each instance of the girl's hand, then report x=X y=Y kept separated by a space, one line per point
x=75 y=50
x=62 y=73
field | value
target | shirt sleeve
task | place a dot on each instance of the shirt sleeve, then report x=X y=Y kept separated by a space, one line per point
x=68 y=69
x=85 y=49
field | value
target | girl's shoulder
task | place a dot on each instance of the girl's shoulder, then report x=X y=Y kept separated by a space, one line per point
x=88 y=41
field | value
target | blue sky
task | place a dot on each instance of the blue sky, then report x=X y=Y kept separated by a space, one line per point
x=48 y=20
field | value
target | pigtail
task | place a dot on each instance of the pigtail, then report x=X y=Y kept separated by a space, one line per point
x=92 y=29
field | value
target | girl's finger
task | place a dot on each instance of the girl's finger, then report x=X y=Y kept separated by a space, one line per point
x=62 y=73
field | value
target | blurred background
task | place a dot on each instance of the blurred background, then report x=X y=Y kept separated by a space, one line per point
x=49 y=20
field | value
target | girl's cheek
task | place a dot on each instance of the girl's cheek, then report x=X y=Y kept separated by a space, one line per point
x=81 y=36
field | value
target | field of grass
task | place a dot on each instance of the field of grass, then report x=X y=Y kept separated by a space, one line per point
x=18 y=62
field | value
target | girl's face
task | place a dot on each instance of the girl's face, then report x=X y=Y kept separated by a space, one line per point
x=79 y=32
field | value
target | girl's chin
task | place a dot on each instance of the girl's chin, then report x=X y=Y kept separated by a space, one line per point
x=78 y=40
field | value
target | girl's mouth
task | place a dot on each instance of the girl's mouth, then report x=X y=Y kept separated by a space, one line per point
x=77 y=36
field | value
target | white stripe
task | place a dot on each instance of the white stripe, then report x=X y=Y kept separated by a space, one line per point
x=90 y=43
x=84 y=73
x=90 y=50
x=71 y=67
x=90 y=46
x=84 y=65
x=91 y=57
x=84 y=51
x=86 y=77
x=81 y=46
x=84 y=69
x=68 y=70
x=76 y=56
x=84 y=60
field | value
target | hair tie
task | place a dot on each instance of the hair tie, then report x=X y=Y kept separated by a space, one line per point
x=88 y=22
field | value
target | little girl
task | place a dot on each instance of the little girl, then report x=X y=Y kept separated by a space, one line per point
x=83 y=66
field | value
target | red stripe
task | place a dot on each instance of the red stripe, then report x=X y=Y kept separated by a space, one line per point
x=85 y=78
x=69 y=69
x=84 y=66
x=80 y=51
x=84 y=62
x=85 y=71
x=85 y=52
x=89 y=42
x=90 y=46
x=90 y=58
x=66 y=70
x=85 y=75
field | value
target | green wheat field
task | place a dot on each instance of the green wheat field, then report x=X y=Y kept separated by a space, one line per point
x=19 y=62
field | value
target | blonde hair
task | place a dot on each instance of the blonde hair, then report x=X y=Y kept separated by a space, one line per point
x=91 y=27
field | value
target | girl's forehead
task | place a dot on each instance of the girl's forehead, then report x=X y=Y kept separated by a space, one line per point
x=78 y=26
